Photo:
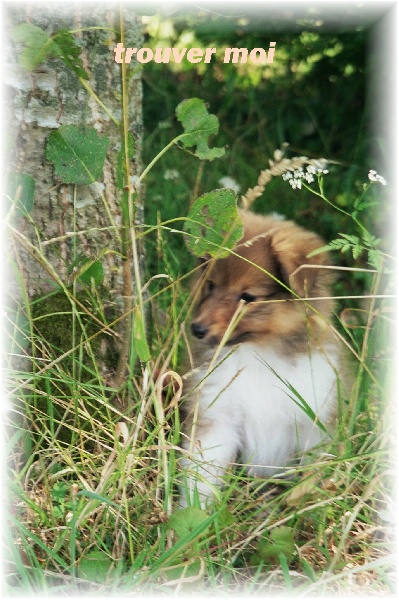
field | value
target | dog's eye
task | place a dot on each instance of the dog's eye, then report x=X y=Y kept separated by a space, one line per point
x=247 y=297
x=209 y=287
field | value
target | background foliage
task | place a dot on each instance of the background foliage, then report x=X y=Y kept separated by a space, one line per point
x=314 y=97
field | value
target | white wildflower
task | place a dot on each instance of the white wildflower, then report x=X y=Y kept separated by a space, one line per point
x=171 y=174
x=287 y=175
x=373 y=176
x=297 y=177
x=229 y=183
x=309 y=177
x=296 y=183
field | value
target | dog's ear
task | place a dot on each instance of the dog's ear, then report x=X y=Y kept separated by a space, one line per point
x=291 y=246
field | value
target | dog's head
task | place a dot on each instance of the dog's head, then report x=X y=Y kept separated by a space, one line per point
x=254 y=293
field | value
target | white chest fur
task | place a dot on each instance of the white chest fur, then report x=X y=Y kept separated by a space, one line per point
x=259 y=407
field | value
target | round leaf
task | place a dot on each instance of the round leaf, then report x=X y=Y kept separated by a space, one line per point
x=187 y=520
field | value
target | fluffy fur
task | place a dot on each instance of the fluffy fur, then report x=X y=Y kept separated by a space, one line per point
x=240 y=401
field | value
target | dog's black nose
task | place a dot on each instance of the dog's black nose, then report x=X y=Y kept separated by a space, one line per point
x=199 y=330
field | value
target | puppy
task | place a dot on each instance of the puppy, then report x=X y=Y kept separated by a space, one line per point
x=264 y=387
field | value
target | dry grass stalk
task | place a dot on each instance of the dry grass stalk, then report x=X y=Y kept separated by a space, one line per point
x=278 y=166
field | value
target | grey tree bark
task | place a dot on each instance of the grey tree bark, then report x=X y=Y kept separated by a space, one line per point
x=66 y=216
x=52 y=96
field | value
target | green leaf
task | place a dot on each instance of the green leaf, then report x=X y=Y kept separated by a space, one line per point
x=225 y=518
x=353 y=239
x=60 y=491
x=140 y=339
x=186 y=520
x=375 y=259
x=320 y=250
x=356 y=251
x=21 y=188
x=269 y=548
x=38 y=45
x=92 y=271
x=78 y=153
x=213 y=223
x=94 y=496
x=94 y=566
x=69 y=52
x=198 y=124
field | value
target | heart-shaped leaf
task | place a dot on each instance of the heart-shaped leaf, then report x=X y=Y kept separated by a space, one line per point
x=213 y=224
x=78 y=153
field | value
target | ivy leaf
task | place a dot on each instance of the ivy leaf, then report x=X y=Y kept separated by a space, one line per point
x=38 y=46
x=69 y=52
x=213 y=223
x=78 y=153
x=21 y=187
x=198 y=125
x=187 y=520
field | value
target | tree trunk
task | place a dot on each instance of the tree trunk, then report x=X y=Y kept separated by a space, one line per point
x=67 y=220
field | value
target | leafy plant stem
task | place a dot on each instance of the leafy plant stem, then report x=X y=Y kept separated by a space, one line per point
x=131 y=261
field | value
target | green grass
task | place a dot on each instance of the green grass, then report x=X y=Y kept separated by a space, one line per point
x=93 y=473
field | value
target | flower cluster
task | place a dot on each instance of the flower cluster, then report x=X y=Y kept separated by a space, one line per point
x=373 y=176
x=296 y=177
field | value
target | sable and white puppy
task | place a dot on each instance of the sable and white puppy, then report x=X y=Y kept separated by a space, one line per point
x=261 y=351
